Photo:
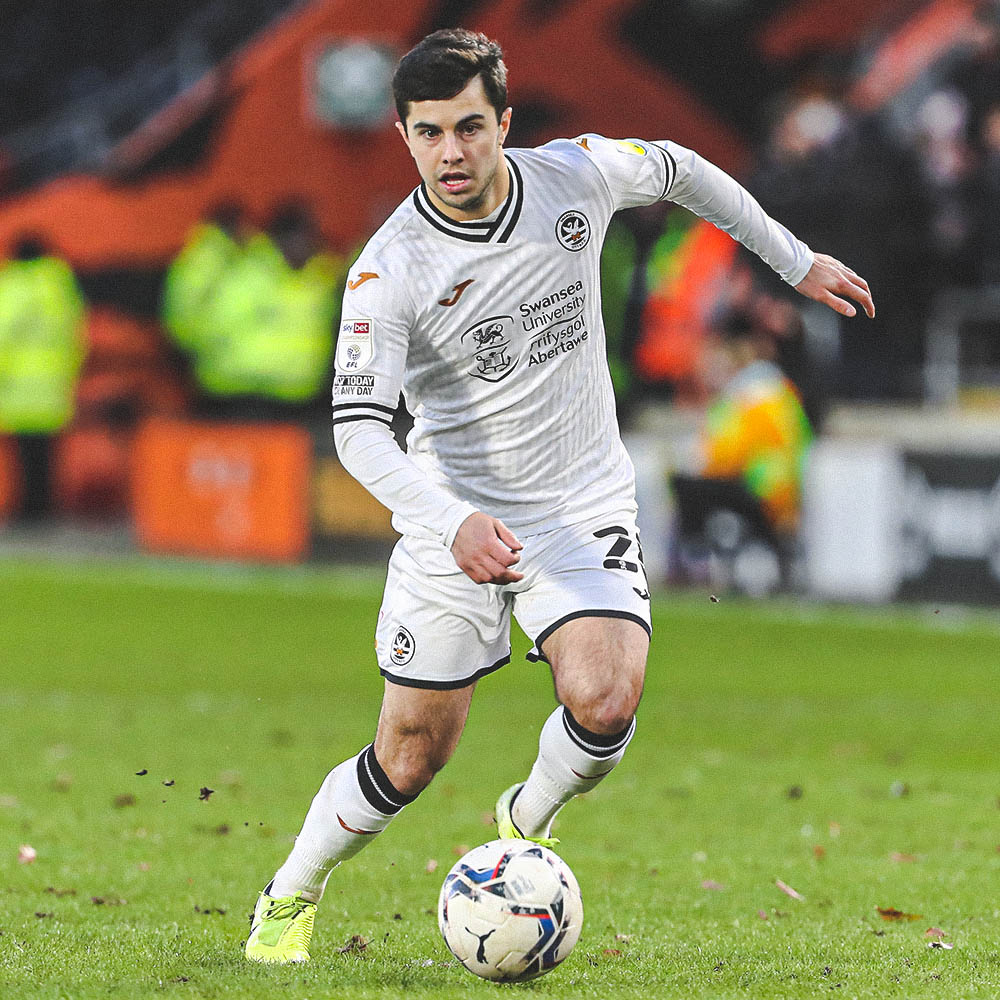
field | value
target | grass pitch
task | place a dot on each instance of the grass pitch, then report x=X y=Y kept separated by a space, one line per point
x=852 y=756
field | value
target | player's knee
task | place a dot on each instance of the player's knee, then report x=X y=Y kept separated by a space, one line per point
x=413 y=769
x=605 y=708
x=608 y=712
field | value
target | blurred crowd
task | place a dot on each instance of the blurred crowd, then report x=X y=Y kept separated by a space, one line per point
x=245 y=332
x=888 y=159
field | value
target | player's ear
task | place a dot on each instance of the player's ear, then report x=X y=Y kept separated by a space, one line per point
x=402 y=131
x=504 y=124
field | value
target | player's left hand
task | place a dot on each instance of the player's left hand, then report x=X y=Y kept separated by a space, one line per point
x=828 y=279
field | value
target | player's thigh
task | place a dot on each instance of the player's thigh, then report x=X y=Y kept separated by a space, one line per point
x=599 y=667
x=418 y=730
x=437 y=629
x=587 y=608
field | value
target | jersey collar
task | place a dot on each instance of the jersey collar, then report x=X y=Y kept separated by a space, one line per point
x=495 y=230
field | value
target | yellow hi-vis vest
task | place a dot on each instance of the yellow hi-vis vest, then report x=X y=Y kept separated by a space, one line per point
x=270 y=327
x=192 y=279
x=41 y=345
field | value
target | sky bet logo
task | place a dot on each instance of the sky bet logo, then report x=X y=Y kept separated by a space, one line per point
x=355 y=344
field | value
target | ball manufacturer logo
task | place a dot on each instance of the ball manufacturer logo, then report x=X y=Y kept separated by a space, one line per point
x=573 y=230
x=403 y=647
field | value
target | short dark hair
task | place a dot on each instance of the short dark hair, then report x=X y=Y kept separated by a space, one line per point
x=442 y=64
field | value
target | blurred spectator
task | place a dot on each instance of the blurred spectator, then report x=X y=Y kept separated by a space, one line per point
x=41 y=352
x=986 y=199
x=212 y=248
x=946 y=164
x=265 y=337
x=755 y=428
x=835 y=182
x=638 y=243
x=663 y=278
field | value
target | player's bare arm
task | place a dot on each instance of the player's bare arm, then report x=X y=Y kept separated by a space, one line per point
x=485 y=549
x=828 y=280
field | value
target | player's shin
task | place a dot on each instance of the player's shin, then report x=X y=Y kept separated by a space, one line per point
x=356 y=802
x=571 y=760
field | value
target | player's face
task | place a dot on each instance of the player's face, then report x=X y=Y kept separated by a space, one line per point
x=457 y=146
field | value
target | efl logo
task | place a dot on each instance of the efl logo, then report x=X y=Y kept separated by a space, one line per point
x=355 y=345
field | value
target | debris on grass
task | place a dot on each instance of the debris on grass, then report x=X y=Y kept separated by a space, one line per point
x=487 y=818
x=819 y=852
x=614 y=952
x=712 y=884
x=713 y=598
x=935 y=932
x=431 y=866
x=902 y=858
x=205 y=793
x=108 y=900
x=125 y=800
x=795 y=792
x=169 y=784
x=208 y=910
x=62 y=782
x=355 y=945
x=59 y=893
x=26 y=854
x=623 y=937
x=762 y=914
x=460 y=850
x=899 y=789
x=891 y=913
x=42 y=916
x=789 y=891
x=142 y=773
x=947 y=945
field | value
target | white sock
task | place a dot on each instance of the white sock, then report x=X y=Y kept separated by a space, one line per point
x=356 y=802
x=571 y=760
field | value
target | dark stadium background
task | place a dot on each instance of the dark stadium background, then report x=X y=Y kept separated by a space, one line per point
x=121 y=127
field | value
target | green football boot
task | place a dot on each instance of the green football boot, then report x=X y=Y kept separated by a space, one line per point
x=507 y=828
x=280 y=929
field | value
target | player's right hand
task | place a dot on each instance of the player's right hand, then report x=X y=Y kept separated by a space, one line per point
x=485 y=549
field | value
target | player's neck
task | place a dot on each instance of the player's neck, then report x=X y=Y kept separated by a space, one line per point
x=495 y=196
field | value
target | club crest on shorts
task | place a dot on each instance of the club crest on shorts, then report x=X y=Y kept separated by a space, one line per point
x=573 y=230
x=489 y=344
x=403 y=647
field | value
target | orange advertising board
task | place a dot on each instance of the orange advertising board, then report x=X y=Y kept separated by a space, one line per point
x=237 y=491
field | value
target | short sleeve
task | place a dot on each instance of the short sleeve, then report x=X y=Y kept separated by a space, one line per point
x=372 y=343
x=637 y=172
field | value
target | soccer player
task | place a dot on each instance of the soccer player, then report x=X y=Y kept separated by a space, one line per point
x=479 y=299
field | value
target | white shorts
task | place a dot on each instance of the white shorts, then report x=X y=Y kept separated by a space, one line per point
x=438 y=629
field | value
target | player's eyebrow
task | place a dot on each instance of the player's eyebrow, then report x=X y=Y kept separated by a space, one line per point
x=468 y=119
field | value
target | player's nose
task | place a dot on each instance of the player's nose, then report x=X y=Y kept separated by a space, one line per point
x=451 y=152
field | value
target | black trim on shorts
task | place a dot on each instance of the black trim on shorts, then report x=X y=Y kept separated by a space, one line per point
x=588 y=613
x=413 y=682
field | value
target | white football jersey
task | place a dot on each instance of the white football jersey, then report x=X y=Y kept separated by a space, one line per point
x=492 y=329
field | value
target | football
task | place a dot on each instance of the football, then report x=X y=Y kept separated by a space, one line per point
x=510 y=910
